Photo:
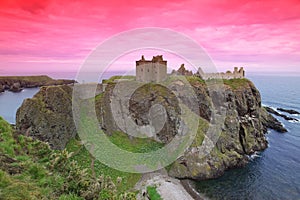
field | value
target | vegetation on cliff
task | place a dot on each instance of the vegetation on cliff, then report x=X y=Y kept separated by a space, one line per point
x=29 y=169
x=17 y=83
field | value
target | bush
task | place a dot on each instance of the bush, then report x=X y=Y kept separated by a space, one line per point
x=153 y=194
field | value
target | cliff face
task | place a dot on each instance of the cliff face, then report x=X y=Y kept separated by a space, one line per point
x=48 y=117
x=242 y=134
x=16 y=83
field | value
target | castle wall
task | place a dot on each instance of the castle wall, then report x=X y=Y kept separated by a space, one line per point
x=228 y=75
x=160 y=71
x=151 y=71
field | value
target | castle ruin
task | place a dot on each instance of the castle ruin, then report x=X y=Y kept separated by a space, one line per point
x=228 y=75
x=154 y=70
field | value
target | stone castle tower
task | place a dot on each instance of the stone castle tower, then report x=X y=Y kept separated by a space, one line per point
x=154 y=70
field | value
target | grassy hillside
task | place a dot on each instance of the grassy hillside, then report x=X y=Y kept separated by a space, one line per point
x=30 y=170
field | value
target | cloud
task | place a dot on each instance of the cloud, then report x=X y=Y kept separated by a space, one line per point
x=230 y=30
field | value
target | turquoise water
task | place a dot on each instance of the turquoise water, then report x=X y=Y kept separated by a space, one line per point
x=275 y=173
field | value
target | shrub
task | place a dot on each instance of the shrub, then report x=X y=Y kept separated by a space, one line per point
x=153 y=194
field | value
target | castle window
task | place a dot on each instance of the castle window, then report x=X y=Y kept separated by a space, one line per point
x=148 y=70
x=141 y=70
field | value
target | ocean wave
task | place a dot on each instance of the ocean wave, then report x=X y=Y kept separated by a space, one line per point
x=294 y=121
x=256 y=154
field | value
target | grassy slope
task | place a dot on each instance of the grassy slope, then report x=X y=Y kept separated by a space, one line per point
x=237 y=83
x=85 y=159
x=33 y=182
x=37 y=181
x=27 y=171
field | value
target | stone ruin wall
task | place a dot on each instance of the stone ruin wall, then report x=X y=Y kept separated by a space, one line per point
x=228 y=75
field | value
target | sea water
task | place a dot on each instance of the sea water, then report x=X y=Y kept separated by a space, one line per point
x=275 y=172
x=10 y=102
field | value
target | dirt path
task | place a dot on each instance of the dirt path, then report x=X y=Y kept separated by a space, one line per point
x=168 y=188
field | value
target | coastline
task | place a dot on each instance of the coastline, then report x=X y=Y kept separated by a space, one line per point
x=186 y=184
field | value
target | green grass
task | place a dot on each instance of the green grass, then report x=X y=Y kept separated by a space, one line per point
x=99 y=96
x=84 y=158
x=122 y=140
x=135 y=145
x=6 y=135
x=232 y=83
x=153 y=194
x=13 y=188
x=114 y=78
x=201 y=131
x=195 y=80
x=236 y=82
x=34 y=176
x=69 y=197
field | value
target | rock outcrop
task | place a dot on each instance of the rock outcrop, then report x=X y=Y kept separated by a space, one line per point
x=48 y=116
x=16 y=87
x=2 y=88
x=182 y=71
x=17 y=83
x=271 y=122
x=290 y=111
x=272 y=111
x=243 y=133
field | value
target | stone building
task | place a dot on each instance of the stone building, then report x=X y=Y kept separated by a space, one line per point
x=154 y=70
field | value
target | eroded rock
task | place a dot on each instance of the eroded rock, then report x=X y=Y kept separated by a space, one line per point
x=48 y=116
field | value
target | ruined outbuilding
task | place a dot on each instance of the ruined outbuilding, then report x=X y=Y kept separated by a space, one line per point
x=237 y=73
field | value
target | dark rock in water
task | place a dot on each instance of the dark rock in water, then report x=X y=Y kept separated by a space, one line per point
x=2 y=88
x=16 y=87
x=271 y=122
x=6 y=87
x=270 y=110
x=48 y=116
x=290 y=111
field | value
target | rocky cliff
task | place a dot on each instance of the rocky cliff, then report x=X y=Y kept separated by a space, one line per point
x=17 y=83
x=48 y=117
x=242 y=134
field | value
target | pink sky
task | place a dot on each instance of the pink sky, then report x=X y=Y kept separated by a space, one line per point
x=57 y=35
